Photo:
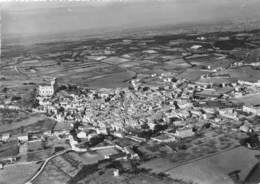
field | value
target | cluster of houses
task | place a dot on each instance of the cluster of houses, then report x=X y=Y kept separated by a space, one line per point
x=153 y=99
x=150 y=101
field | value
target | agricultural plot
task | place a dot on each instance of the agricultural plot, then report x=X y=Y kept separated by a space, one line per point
x=9 y=149
x=175 y=64
x=21 y=121
x=10 y=116
x=210 y=60
x=38 y=123
x=192 y=74
x=215 y=169
x=115 y=60
x=18 y=174
x=249 y=99
x=243 y=73
x=52 y=174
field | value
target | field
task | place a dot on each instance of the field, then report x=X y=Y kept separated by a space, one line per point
x=11 y=116
x=249 y=99
x=243 y=73
x=94 y=157
x=111 y=63
x=9 y=149
x=188 y=149
x=211 y=60
x=103 y=173
x=192 y=74
x=209 y=170
x=36 y=122
x=215 y=169
x=52 y=174
x=63 y=168
x=107 y=177
x=17 y=174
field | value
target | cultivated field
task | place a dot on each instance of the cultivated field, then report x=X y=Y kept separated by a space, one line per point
x=249 y=99
x=208 y=170
x=17 y=174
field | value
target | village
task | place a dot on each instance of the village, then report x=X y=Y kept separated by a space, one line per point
x=128 y=111
x=157 y=108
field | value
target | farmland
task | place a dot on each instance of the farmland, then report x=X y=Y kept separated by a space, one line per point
x=33 y=122
x=213 y=169
x=249 y=99
x=17 y=174
x=111 y=63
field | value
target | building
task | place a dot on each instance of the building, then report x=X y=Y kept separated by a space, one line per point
x=5 y=137
x=252 y=109
x=116 y=172
x=195 y=47
x=228 y=113
x=163 y=138
x=244 y=128
x=1 y=165
x=23 y=138
x=183 y=104
x=184 y=133
x=82 y=135
x=47 y=90
x=256 y=84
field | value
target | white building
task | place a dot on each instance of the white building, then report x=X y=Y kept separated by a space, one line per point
x=5 y=137
x=47 y=90
x=23 y=138
x=184 y=133
x=116 y=172
x=82 y=135
x=164 y=138
x=252 y=109
x=228 y=113
x=256 y=84
x=183 y=104
x=195 y=47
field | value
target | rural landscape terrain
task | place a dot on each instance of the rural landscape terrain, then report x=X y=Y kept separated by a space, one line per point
x=172 y=108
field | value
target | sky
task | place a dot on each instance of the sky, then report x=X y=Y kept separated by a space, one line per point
x=42 y=18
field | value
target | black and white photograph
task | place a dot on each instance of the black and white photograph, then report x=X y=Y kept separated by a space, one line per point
x=130 y=92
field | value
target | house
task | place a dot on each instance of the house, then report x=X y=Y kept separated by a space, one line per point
x=228 y=113
x=196 y=112
x=82 y=135
x=244 y=128
x=179 y=123
x=252 y=109
x=118 y=134
x=195 y=47
x=5 y=137
x=184 y=133
x=163 y=138
x=183 y=104
x=116 y=172
x=256 y=84
x=102 y=131
x=1 y=165
x=23 y=138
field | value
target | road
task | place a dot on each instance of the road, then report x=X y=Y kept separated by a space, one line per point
x=30 y=181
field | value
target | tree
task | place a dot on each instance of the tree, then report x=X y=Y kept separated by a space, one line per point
x=5 y=90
